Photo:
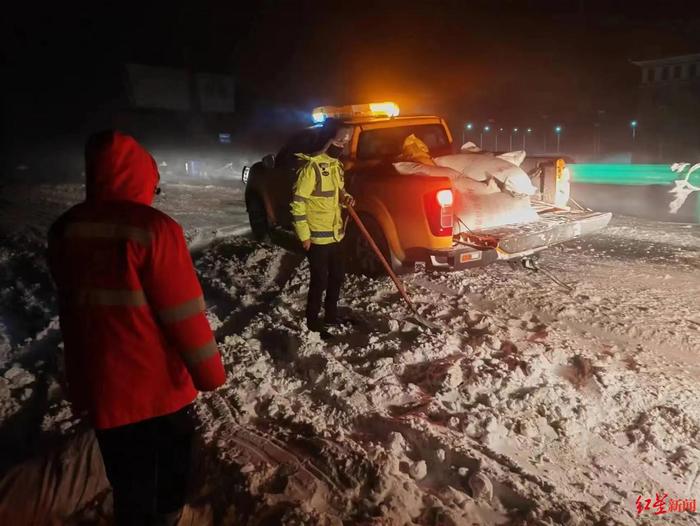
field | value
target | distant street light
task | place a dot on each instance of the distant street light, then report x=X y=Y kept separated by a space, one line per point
x=498 y=132
x=515 y=131
x=557 y=131
x=528 y=131
x=485 y=129
x=467 y=127
x=633 y=125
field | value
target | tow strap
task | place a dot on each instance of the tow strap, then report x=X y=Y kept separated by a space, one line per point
x=530 y=263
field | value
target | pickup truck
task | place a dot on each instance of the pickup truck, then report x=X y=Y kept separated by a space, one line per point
x=410 y=216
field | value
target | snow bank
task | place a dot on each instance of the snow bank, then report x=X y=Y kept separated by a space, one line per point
x=522 y=411
x=531 y=407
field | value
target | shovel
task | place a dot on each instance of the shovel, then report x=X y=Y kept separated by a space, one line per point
x=399 y=285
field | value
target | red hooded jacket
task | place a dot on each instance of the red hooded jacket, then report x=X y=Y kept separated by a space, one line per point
x=137 y=342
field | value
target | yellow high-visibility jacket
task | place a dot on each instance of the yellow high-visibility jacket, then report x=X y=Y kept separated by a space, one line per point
x=316 y=205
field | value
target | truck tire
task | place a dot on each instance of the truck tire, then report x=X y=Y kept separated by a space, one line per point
x=360 y=256
x=257 y=216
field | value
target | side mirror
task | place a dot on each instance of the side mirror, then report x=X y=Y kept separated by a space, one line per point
x=269 y=161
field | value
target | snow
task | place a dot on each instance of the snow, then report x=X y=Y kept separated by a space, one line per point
x=682 y=187
x=18 y=377
x=530 y=404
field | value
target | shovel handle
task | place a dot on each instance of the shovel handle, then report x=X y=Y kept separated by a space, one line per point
x=381 y=257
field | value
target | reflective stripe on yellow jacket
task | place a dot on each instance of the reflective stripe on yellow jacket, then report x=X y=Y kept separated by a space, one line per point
x=316 y=210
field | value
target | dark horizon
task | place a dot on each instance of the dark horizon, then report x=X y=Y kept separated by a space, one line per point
x=517 y=63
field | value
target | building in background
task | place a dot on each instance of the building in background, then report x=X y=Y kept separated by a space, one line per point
x=178 y=104
x=668 y=121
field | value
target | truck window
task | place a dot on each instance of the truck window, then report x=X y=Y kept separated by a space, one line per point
x=386 y=143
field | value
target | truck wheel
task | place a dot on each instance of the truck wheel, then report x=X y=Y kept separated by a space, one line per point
x=257 y=216
x=360 y=256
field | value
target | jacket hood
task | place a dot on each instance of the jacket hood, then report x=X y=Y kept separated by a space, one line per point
x=117 y=168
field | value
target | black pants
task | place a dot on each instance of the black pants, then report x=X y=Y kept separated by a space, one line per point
x=148 y=466
x=327 y=273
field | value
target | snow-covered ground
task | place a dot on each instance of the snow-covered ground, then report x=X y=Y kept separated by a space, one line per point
x=530 y=405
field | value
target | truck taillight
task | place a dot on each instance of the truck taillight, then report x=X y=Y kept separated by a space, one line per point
x=563 y=184
x=444 y=198
x=438 y=209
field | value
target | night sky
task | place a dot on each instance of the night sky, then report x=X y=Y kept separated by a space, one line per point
x=506 y=60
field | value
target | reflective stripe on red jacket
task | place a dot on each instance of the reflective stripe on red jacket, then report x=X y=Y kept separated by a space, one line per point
x=137 y=341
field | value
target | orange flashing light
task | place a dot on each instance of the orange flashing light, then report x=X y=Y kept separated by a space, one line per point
x=390 y=109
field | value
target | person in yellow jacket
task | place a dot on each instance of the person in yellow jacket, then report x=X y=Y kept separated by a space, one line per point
x=319 y=194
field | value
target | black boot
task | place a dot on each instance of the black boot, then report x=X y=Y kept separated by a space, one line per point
x=341 y=320
x=317 y=326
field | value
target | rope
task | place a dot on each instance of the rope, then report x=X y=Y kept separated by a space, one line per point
x=582 y=208
x=531 y=264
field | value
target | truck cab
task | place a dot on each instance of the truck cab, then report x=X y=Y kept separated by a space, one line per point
x=409 y=216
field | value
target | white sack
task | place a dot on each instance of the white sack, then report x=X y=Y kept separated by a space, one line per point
x=478 y=204
x=470 y=147
x=518 y=184
x=478 y=211
x=413 y=168
x=516 y=157
x=481 y=167
x=459 y=182
x=463 y=184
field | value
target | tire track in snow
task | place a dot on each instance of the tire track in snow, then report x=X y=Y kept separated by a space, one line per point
x=307 y=480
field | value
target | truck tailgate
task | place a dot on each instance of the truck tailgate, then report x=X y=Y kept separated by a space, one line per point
x=552 y=228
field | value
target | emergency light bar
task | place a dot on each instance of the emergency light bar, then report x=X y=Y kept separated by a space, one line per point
x=373 y=109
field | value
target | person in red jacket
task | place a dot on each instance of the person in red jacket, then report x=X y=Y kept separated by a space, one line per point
x=137 y=343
